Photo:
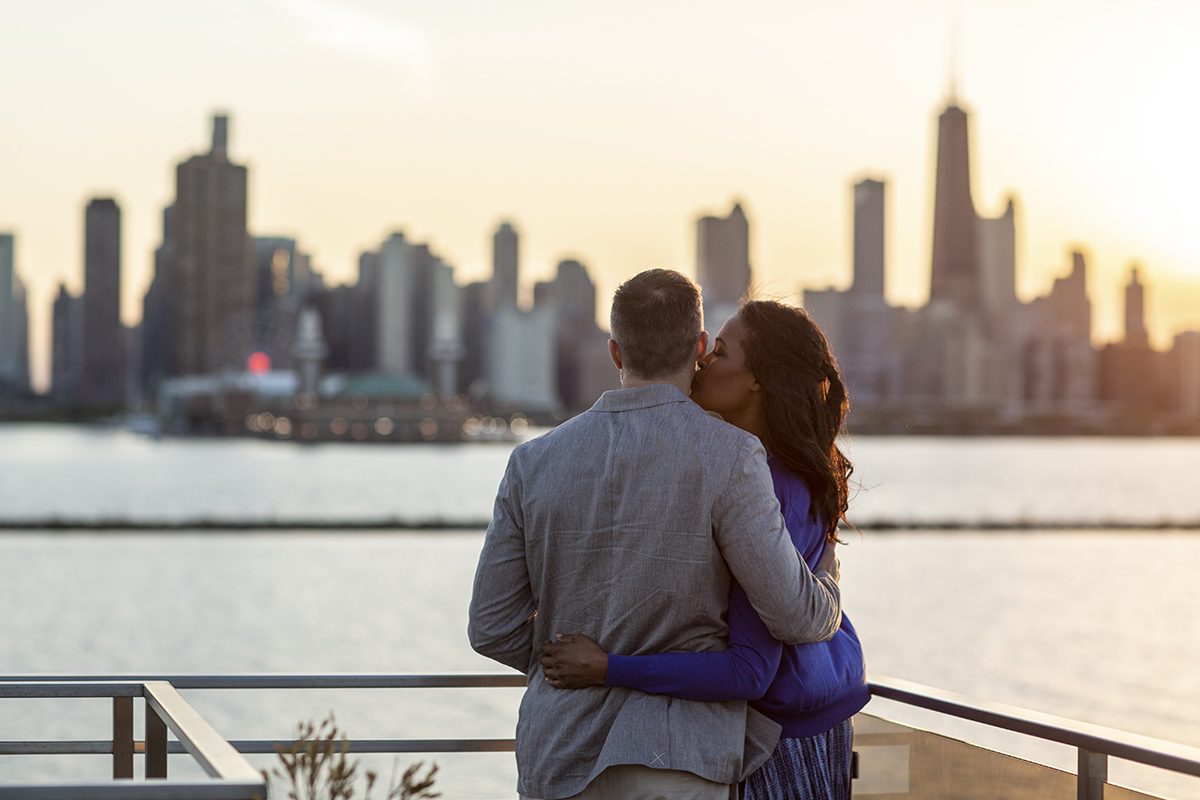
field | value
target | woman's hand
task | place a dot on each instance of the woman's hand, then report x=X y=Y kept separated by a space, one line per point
x=573 y=662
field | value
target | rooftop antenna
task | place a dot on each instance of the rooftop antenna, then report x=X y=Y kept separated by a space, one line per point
x=955 y=35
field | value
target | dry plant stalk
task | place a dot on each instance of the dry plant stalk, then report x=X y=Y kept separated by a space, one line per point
x=316 y=767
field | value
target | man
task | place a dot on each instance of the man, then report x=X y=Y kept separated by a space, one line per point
x=624 y=524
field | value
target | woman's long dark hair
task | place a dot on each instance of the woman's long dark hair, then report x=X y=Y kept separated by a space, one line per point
x=804 y=402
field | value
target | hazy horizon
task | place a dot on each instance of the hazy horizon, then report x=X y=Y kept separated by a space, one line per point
x=603 y=134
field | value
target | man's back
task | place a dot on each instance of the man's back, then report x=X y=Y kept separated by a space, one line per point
x=609 y=523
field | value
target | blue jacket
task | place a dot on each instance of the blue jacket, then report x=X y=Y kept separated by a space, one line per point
x=807 y=688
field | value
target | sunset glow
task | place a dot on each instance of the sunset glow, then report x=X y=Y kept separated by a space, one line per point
x=604 y=131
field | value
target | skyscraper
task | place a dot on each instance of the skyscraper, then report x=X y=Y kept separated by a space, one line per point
x=394 y=341
x=102 y=380
x=997 y=243
x=869 y=205
x=8 y=313
x=472 y=374
x=723 y=263
x=520 y=360
x=160 y=323
x=364 y=305
x=67 y=346
x=583 y=367
x=1186 y=353
x=1061 y=366
x=954 y=276
x=446 y=349
x=1070 y=307
x=21 y=312
x=573 y=295
x=1135 y=312
x=505 y=267
x=212 y=280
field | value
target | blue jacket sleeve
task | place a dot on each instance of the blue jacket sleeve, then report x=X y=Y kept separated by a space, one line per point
x=742 y=672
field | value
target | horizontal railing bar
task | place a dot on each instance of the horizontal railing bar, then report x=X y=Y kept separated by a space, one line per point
x=1096 y=738
x=301 y=681
x=45 y=687
x=136 y=790
x=257 y=746
x=393 y=745
x=58 y=748
x=215 y=755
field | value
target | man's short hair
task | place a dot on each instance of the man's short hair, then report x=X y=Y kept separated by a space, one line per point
x=656 y=320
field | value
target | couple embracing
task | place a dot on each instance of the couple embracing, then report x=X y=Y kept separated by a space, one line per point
x=662 y=567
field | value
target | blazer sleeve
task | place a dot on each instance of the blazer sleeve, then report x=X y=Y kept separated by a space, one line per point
x=795 y=605
x=500 y=624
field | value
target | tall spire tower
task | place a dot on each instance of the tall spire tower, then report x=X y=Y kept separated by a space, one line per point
x=954 y=276
x=1135 y=311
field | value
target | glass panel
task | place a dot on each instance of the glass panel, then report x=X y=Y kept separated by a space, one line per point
x=1112 y=792
x=1148 y=782
x=895 y=761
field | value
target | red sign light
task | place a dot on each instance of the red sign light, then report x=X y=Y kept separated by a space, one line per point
x=258 y=363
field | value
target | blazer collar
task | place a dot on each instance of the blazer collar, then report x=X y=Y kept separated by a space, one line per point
x=655 y=394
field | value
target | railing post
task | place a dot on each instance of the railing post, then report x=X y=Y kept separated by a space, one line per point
x=122 y=737
x=1092 y=775
x=156 y=744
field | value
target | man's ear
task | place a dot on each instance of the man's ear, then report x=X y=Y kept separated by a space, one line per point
x=614 y=352
x=702 y=345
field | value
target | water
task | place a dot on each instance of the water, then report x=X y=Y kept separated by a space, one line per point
x=83 y=474
x=1095 y=626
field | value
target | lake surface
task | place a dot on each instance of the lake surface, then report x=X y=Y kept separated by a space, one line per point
x=82 y=474
x=1097 y=626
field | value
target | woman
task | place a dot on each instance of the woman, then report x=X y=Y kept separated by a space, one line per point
x=772 y=374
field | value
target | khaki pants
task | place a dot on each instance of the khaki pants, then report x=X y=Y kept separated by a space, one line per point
x=635 y=782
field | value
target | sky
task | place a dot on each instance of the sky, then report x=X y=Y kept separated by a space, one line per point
x=603 y=130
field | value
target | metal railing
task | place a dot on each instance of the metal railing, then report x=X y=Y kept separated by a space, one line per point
x=237 y=780
x=165 y=709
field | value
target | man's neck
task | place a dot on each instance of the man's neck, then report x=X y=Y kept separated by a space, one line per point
x=682 y=381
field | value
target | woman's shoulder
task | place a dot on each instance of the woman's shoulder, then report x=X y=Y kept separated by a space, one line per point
x=791 y=489
x=795 y=501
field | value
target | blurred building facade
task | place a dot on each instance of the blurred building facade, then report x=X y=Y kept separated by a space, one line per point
x=66 y=346
x=14 y=324
x=224 y=303
x=975 y=358
x=101 y=380
x=205 y=283
x=723 y=264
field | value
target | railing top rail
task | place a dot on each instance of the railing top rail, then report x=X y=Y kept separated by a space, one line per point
x=1095 y=738
x=215 y=755
x=48 y=687
x=131 y=790
x=449 y=680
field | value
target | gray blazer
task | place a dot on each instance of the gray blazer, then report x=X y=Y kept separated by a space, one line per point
x=624 y=524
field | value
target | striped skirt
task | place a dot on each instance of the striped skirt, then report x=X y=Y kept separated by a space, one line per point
x=813 y=768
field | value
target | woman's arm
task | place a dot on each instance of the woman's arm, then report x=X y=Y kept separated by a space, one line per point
x=742 y=672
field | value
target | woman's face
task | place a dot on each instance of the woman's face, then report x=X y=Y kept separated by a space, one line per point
x=723 y=384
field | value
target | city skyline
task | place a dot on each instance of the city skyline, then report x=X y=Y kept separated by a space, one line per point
x=1090 y=144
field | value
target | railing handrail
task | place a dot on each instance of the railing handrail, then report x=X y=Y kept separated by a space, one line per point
x=166 y=709
x=1088 y=737
x=126 y=790
x=334 y=680
x=1095 y=738
x=215 y=756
